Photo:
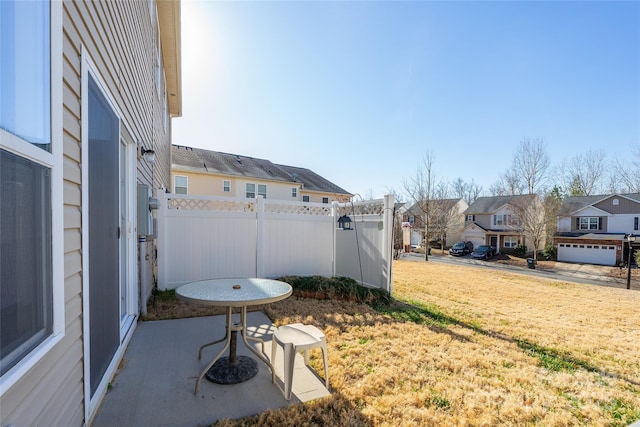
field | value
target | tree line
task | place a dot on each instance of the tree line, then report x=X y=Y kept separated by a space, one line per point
x=530 y=172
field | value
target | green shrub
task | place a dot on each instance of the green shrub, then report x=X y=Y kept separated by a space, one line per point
x=520 y=251
x=342 y=288
x=549 y=252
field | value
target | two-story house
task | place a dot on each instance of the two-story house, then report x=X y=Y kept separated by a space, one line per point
x=446 y=223
x=502 y=221
x=592 y=229
x=213 y=173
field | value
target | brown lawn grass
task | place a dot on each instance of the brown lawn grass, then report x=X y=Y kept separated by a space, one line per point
x=464 y=346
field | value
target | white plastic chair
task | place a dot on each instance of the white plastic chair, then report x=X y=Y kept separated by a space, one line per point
x=293 y=339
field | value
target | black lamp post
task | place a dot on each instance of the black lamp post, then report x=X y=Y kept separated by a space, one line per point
x=630 y=240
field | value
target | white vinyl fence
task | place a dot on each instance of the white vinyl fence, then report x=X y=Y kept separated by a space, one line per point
x=220 y=237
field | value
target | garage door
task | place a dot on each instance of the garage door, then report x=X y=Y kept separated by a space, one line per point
x=477 y=241
x=587 y=254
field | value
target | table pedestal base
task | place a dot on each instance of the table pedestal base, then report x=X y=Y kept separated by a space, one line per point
x=225 y=372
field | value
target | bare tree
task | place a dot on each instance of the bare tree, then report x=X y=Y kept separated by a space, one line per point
x=583 y=174
x=629 y=173
x=445 y=215
x=469 y=191
x=552 y=203
x=509 y=184
x=421 y=189
x=530 y=212
x=530 y=164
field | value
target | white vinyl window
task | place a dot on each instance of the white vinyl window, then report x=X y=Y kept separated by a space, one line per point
x=226 y=186
x=262 y=190
x=510 y=241
x=294 y=192
x=250 y=190
x=589 y=223
x=31 y=286
x=180 y=184
x=471 y=217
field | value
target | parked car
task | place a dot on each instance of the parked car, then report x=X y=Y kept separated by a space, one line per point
x=461 y=248
x=483 y=252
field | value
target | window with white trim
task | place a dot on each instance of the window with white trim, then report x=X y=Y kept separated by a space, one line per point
x=226 y=186
x=27 y=233
x=471 y=217
x=294 y=192
x=305 y=198
x=250 y=190
x=262 y=190
x=412 y=219
x=510 y=241
x=588 y=223
x=635 y=224
x=325 y=200
x=180 y=184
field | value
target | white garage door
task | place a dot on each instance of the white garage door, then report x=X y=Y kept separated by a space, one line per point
x=477 y=241
x=587 y=254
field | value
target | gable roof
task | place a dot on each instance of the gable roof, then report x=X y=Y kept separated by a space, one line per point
x=574 y=204
x=206 y=161
x=487 y=205
x=311 y=180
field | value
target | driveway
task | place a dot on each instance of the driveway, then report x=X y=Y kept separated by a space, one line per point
x=579 y=273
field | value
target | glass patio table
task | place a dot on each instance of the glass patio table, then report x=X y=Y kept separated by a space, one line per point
x=232 y=293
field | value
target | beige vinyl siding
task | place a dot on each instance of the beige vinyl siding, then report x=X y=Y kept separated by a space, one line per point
x=118 y=38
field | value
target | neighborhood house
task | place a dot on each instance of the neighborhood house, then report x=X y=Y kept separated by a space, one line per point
x=211 y=173
x=592 y=229
x=498 y=221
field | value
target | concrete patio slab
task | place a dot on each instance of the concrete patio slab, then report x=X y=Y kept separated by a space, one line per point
x=155 y=382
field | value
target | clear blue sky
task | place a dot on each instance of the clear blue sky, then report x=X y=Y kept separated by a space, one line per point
x=359 y=91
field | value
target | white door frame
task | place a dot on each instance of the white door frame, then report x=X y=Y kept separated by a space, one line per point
x=127 y=325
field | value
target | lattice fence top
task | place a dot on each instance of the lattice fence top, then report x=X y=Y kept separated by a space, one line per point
x=374 y=207
x=297 y=209
x=212 y=205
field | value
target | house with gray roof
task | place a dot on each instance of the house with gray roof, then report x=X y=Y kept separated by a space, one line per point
x=497 y=221
x=212 y=173
x=593 y=229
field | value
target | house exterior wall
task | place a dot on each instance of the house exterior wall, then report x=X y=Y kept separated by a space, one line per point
x=624 y=223
x=618 y=205
x=564 y=224
x=212 y=185
x=483 y=220
x=602 y=224
x=119 y=38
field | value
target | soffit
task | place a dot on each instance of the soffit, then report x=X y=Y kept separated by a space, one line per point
x=169 y=22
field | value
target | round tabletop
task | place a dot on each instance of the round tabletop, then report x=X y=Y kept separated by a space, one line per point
x=234 y=292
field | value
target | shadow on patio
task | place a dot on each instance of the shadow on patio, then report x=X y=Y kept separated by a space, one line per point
x=155 y=381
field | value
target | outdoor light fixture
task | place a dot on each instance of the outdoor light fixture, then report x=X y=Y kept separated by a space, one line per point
x=630 y=240
x=148 y=155
x=344 y=222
